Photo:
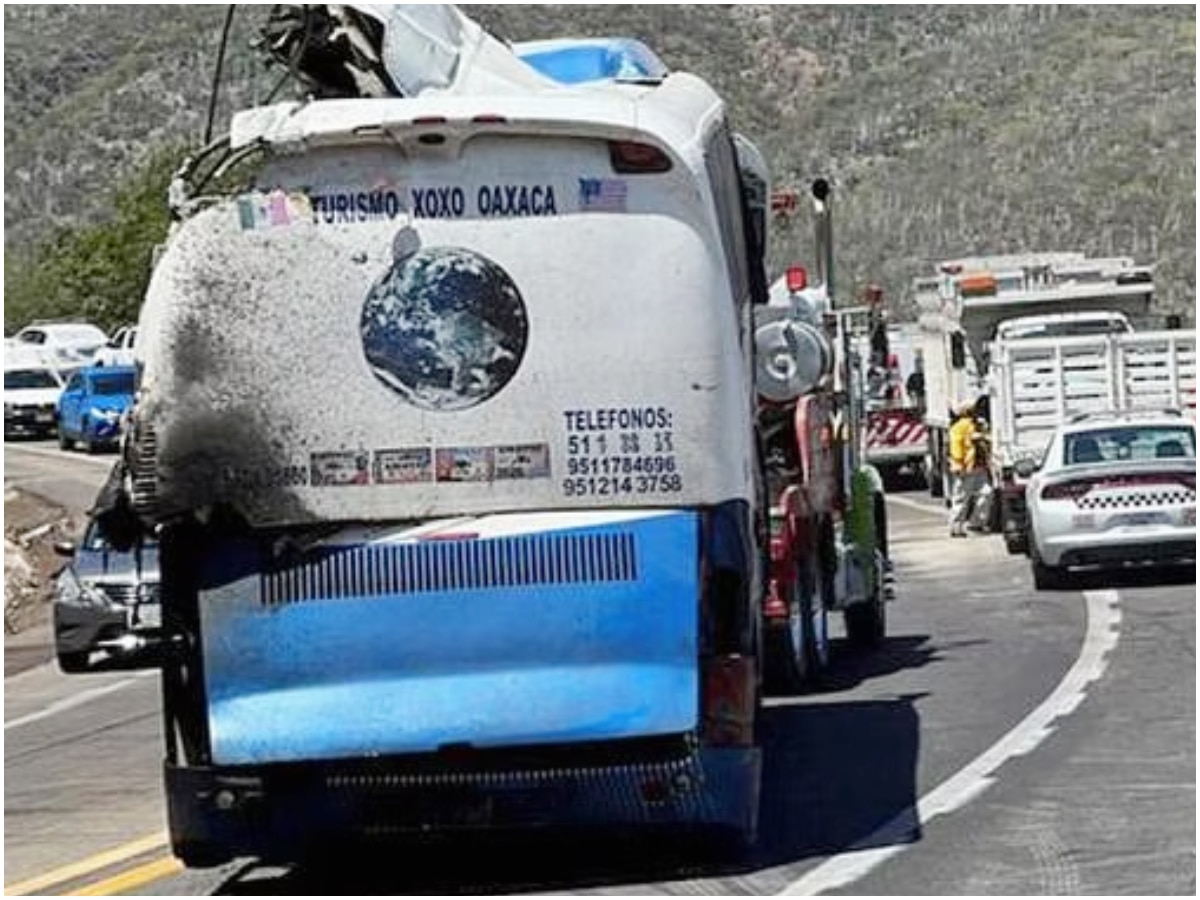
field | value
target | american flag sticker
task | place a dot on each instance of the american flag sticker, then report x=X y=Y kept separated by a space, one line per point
x=602 y=194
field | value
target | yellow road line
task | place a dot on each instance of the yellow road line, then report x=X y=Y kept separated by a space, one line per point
x=131 y=878
x=89 y=865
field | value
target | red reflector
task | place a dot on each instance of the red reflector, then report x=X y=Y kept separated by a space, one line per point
x=797 y=278
x=655 y=791
x=773 y=606
x=632 y=158
x=785 y=201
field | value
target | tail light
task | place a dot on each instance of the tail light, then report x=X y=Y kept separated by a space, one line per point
x=728 y=701
x=1067 y=490
x=634 y=158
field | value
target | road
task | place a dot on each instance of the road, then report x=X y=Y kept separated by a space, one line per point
x=1005 y=741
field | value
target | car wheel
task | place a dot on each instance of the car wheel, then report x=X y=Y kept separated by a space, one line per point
x=64 y=442
x=1047 y=578
x=1015 y=543
x=73 y=663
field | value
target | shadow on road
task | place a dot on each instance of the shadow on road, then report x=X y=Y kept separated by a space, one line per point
x=850 y=667
x=834 y=773
x=1131 y=578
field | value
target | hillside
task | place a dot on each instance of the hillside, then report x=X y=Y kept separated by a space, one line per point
x=950 y=130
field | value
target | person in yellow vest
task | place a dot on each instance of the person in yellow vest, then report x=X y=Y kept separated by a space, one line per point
x=968 y=468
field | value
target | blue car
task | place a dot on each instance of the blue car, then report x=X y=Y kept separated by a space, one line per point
x=92 y=404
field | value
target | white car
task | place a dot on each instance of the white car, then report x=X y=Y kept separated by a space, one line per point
x=31 y=391
x=64 y=345
x=1114 y=489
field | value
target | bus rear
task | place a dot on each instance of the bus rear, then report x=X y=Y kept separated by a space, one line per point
x=446 y=426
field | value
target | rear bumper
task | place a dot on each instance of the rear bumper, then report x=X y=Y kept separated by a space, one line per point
x=30 y=420
x=78 y=629
x=283 y=812
x=1152 y=546
x=896 y=456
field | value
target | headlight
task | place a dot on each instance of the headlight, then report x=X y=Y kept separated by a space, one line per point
x=108 y=415
x=74 y=592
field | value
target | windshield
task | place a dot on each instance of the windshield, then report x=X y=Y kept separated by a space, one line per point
x=109 y=385
x=23 y=379
x=1129 y=443
x=93 y=539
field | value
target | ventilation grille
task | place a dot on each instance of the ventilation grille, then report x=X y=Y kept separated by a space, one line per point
x=143 y=474
x=458 y=565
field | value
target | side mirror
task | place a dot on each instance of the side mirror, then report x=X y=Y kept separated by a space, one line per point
x=1025 y=468
x=65 y=548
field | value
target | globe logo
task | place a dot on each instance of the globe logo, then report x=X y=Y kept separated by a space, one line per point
x=445 y=328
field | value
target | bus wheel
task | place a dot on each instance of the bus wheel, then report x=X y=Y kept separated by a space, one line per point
x=201 y=855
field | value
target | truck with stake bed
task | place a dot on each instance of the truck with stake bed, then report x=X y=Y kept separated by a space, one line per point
x=1042 y=337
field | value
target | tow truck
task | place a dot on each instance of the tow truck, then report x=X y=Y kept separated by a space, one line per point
x=828 y=544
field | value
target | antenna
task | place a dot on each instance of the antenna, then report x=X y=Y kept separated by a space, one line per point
x=216 y=79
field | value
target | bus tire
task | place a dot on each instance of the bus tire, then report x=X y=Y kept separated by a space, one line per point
x=74 y=663
x=202 y=855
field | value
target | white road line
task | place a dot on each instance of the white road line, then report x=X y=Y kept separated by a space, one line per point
x=1103 y=631
x=76 y=700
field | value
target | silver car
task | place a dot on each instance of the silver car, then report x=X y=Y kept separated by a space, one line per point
x=1114 y=489
x=106 y=603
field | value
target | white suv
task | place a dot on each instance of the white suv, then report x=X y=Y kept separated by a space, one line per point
x=119 y=350
x=1114 y=489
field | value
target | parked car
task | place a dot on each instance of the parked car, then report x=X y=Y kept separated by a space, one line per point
x=31 y=391
x=1114 y=489
x=92 y=404
x=119 y=349
x=65 y=345
x=106 y=603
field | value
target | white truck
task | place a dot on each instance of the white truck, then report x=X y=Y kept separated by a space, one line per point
x=1043 y=337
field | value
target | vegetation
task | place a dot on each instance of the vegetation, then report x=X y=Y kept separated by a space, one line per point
x=97 y=272
x=948 y=130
